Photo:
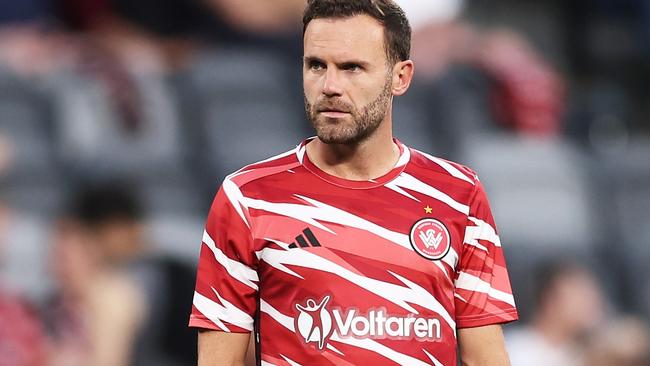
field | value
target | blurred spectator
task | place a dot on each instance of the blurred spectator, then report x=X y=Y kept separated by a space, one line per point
x=263 y=24
x=622 y=342
x=251 y=16
x=34 y=51
x=22 y=340
x=116 y=96
x=117 y=303
x=569 y=306
x=98 y=310
x=527 y=94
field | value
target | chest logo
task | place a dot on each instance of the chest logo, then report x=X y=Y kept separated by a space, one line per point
x=316 y=324
x=430 y=238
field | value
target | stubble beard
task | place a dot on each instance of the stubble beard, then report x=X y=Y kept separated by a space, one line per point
x=343 y=131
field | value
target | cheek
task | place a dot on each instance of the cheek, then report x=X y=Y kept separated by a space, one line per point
x=311 y=85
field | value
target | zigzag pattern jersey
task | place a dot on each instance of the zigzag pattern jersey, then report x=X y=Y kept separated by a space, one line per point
x=328 y=271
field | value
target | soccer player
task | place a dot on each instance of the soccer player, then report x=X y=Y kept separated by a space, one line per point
x=398 y=246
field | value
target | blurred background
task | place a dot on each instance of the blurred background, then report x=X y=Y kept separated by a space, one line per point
x=120 y=118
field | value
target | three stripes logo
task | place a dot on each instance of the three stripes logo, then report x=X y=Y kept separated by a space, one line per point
x=302 y=240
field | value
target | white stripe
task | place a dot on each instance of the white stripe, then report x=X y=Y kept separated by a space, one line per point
x=236 y=270
x=264 y=363
x=236 y=198
x=394 y=187
x=433 y=359
x=469 y=282
x=482 y=231
x=404 y=158
x=374 y=346
x=218 y=313
x=449 y=168
x=290 y=361
x=460 y=297
x=407 y=181
x=399 y=295
x=424 y=293
x=285 y=246
x=277 y=157
x=299 y=212
x=300 y=152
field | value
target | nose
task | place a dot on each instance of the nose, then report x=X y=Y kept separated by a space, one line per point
x=331 y=83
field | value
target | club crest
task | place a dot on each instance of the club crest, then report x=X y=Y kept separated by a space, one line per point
x=430 y=238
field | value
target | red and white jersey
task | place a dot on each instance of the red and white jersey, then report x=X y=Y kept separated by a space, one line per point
x=329 y=271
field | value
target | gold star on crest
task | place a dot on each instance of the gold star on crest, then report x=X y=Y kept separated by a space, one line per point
x=428 y=209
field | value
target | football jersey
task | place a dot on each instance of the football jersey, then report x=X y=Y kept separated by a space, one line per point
x=329 y=271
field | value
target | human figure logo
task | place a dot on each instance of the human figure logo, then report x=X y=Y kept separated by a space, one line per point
x=316 y=324
x=430 y=238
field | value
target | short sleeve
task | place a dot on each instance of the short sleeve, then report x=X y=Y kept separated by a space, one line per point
x=483 y=295
x=225 y=296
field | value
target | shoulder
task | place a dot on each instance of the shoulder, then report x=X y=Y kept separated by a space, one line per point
x=453 y=172
x=263 y=169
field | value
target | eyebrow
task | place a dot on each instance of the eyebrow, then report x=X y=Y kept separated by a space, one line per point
x=309 y=59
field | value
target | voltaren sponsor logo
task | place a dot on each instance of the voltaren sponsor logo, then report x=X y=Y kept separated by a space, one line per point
x=316 y=324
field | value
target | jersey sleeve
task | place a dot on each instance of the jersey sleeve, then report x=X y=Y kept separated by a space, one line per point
x=483 y=295
x=225 y=296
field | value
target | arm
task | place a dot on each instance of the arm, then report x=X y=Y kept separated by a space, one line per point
x=222 y=348
x=483 y=346
x=117 y=309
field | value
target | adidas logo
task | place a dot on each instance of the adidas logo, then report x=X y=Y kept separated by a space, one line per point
x=302 y=242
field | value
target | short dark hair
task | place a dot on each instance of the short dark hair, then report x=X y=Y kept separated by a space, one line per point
x=99 y=203
x=397 y=30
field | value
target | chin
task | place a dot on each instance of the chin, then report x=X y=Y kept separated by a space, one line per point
x=338 y=137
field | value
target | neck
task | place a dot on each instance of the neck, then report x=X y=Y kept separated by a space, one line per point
x=362 y=161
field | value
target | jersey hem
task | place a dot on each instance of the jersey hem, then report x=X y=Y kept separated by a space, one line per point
x=482 y=320
x=201 y=322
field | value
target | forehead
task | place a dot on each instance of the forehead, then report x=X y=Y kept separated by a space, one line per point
x=359 y=36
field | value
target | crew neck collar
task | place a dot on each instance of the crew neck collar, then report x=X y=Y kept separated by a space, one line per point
x=405 y=156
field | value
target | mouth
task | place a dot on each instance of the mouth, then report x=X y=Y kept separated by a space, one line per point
x=333 y=112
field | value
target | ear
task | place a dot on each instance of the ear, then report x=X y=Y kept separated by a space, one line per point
x=402 y=76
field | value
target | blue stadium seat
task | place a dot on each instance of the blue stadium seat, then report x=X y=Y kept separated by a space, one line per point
x=31 y=180
x=629 y=173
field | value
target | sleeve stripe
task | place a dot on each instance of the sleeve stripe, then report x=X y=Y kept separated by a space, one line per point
x=482 y=231
x=220 y=313
x=472 y=283
x=207 y=307
x=449 y=168
x=236 y=198
x=405 y=180
x=237 y=270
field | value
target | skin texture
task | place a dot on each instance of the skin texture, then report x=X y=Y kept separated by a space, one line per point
x=349 y=86
x=223 y=349
x=482 y=346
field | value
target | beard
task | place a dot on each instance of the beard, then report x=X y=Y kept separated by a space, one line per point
x=356 y=127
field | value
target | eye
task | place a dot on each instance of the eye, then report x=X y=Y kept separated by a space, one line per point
x=352 y=67
x=316 y=65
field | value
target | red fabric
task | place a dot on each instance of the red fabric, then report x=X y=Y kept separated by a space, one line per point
x=282 y=236
x=22 y=341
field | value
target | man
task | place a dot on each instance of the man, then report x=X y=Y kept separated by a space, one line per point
x=399 y=247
